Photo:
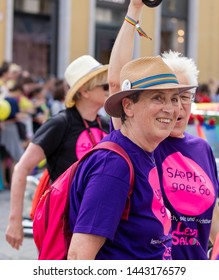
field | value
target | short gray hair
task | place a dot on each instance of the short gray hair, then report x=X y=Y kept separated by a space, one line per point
x=183 y=65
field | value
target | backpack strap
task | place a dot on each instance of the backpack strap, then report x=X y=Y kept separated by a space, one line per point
x=108 y=145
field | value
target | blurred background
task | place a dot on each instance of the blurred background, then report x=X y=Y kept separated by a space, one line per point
x=39 y=38
x=43 y=36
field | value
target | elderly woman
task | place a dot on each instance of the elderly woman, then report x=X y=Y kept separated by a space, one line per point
x=64 y=138
x=148 y=106
x=191 y=200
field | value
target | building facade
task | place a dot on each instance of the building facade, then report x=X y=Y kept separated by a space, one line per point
x=43 y=36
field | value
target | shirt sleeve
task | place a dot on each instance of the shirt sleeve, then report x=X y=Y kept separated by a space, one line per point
x=50 y=134
x=104 y=197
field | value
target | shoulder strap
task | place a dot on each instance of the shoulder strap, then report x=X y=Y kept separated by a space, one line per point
x=119 y=150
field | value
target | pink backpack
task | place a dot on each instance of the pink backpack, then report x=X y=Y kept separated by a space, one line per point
x=51 y=230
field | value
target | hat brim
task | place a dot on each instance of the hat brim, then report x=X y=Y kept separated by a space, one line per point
x=113 y=104
x=72 y=91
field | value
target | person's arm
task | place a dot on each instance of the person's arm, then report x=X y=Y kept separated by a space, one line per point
x=123 y=50
x=94 y=214
x=31 y=157
x=215 y=224
x=85 y=246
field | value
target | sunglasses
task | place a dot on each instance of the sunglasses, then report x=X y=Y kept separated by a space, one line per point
x=105 y=87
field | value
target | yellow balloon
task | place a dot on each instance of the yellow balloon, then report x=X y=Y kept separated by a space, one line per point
x=5 y=109
x=42 y=163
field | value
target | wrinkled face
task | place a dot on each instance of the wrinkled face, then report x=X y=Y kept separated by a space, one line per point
x=185 y=110
x=154 y=116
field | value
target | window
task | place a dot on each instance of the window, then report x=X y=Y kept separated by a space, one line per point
x=33 y=6
x=174 y=26
x=35 y=36
x=109 y=17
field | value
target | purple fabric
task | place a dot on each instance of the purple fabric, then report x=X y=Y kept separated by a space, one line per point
x=188 y=174
x=98 y=197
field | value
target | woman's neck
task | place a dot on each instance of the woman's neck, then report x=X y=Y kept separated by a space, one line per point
x=148 y=146
x=87 y=112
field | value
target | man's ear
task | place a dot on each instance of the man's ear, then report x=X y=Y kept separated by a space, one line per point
x=128 y=106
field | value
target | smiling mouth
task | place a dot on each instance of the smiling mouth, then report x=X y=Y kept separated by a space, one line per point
x=165 y=120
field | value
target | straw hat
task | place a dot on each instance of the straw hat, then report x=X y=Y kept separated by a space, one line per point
x=142 y=74
x=80 y=71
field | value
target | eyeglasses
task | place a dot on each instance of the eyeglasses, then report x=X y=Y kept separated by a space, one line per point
x=105 y=87
x=187 y=98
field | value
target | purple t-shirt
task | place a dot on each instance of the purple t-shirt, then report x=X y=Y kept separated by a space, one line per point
x=188 y=174
x=98 y=196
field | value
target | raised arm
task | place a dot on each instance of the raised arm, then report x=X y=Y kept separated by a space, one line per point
x=123 y=50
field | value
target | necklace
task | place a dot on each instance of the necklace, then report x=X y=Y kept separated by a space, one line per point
x=151 y=157
x=93 y=141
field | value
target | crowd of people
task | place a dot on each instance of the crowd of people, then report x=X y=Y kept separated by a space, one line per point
x=177 y=155
x=174 y=211
x=31 y=102
x=208 y=92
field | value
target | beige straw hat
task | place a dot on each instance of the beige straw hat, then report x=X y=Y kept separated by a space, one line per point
x=142 y=74
x=80 y=71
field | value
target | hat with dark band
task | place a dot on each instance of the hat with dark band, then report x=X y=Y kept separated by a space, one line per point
x=143 y=74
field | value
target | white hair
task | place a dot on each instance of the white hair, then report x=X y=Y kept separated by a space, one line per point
x=182 y=65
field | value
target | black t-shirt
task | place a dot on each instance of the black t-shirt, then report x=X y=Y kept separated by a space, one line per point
x=64 y=139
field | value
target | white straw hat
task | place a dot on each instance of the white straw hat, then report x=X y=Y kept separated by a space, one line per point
x=142 y=74
x=80 y=71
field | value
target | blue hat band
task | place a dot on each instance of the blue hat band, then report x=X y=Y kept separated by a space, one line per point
x=155 y=80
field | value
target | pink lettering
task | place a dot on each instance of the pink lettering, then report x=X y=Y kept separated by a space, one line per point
x=186 y=183
x=184 y=237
